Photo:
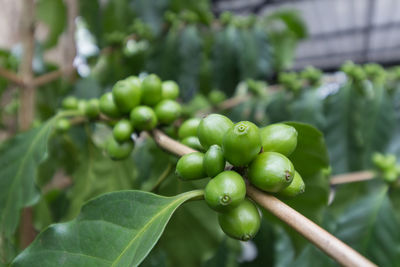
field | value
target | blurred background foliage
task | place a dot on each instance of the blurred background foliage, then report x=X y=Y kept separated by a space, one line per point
x=213 y=58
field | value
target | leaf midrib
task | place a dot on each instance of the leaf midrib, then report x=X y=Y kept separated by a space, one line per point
x=147 y=225
x=373 y=218
x=23 y=163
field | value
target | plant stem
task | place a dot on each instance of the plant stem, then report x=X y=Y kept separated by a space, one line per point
x=329 y=244
x=162 y=177
x=352 y=177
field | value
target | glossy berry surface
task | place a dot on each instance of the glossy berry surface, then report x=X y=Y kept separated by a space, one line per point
x=295 y=188
x=151 y=90
x=241 y=143
x=143 y=118
x=92 y=108
x=170 y=90
x=127 y=94
x=117 y=150
x=212 y=129
x=279 y=138
x=108 y=106
x=70 y=103
x=271 y=172
x=63 y=125
x=189 y=128
x=225 y=191
x=241 y=222
x=168 y=111
x=193 y=142
x=214 y=161
x=190 y=166
x=122 y=130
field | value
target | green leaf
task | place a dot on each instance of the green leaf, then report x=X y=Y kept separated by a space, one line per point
x=200 y=226
x=308 y=108
x=19 y=160
x=311 y=155
x=195 y=222
x=357 y=124
x=98 y=174
x=117 y=229
x=371 y=227
x=292 y=20
x=54 y=14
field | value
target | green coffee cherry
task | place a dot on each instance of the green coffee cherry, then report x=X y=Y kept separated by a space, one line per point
x=295 y=188
x=190 y=166
x=119 y=151
x=151 y=90
x=63 y=125
x=241 y=143
x=127 y=94
x=216 y=97
x=122 y=131
x=168 y=111
x=279 y=138
x=241 y=222
x=391 y=175
x=193 y=142
x=214 y=161
x=143 y=118
x=212 y=129
x=271 y=172
x=70 y=103
x=92 y=108
x=189 y=128
x=226 y=191
x=170 y=90
x=108 y=106
x=82 y=106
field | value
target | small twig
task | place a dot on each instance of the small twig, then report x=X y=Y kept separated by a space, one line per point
x=332 y=246
x=12 y=77
x=226 y=104
x=352 y=177
x=50 y=76
x=170 y=144
x=162 y=177
x=60 y=181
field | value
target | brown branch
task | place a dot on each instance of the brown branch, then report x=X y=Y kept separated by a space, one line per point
x=352 y=177
x=27 y=100
x=12 y=77
x=329 y=244
x=226 y=104
x=49 y=77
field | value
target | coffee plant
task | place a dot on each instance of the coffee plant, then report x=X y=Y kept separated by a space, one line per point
x=187 y=144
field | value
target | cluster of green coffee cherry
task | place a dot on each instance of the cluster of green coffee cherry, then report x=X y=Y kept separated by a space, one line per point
x=387 y=166
x=294 y=81
x=134 y=105
x=234 y=152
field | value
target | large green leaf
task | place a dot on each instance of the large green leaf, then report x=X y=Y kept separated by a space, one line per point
x=98 y=174
x=54 y=14
x=311 y=155
x=19 y=160
x=371 y=227
x=308 y=108
x=195 y=222
x=115 y=229
x=357 y=124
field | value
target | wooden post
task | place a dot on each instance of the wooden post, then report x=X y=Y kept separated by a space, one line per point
x=27 y=103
